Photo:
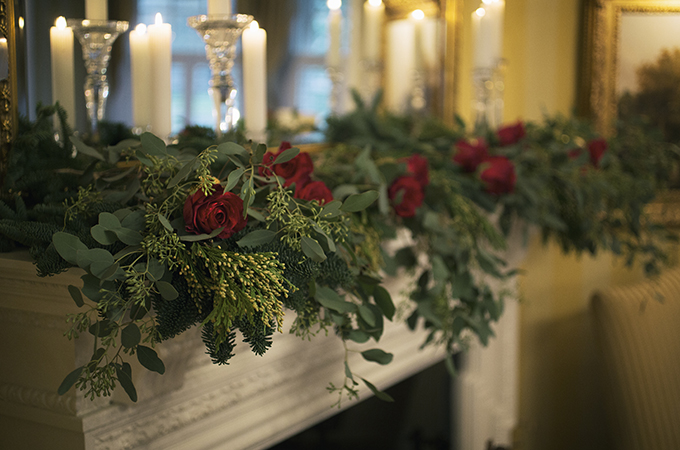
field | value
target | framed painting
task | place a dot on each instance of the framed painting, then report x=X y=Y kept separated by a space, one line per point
x=630 y=65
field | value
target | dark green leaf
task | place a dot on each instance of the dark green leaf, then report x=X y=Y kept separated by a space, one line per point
x=109 y=221
x=330 y=299
x=331 y=210
x=312 y=249
x=165 y=222
x=232 y=148
x=378 y=356
x=103 y=236
x=130 y=336
x=124 y=374
x=365 y=163
x=70 y=380
x=76 y=295
x=91 y=288
x=259 y=153
x=344 y=190
x=367 y=314
x=149 y=359
x=255 y=238
x=155 y=269
x=200 y=237
x=167 y=290
x=383 y=300
x=359 y=202
x=358 y=336
x=378 y=393
x=127 y=251
x=348 y=373
x=255 y=214
x=86 y=149
x=128 y=236
x=233 y=178
x=100 y=329
x=120 y=176
x=135 y=220
x=67 y=246
x=182 y=173
x=143 y=159
x=287 y=155
x=153 y=145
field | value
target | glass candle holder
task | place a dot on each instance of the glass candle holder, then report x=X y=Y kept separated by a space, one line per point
x=96 y=38
x=220 y=34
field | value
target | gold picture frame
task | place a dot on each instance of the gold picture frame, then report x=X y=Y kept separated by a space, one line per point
x=599 y=71
x=8 y=86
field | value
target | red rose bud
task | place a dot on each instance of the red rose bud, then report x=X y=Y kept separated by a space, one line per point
x=597 y=148
x=469 y=155
x=295 y=170
x=408 y=190
x=499 y=177
x=314 y=190
x=418 y=167
x=205 y=214
x=511 y=134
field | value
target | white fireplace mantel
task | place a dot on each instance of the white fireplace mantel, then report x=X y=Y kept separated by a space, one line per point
x=252 y=403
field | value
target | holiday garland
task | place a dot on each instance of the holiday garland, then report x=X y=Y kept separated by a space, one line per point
x=228 y=235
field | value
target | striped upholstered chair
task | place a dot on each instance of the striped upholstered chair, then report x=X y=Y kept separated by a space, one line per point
x=637 y=332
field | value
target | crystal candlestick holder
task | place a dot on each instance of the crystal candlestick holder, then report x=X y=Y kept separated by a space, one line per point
x=220 y=34
x=488 y=102
x=96 y=38
x=335 y=75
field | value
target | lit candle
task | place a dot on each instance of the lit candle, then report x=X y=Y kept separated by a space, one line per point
x=255 y=81
x=219 y=7
x=63 y=82
x=160 y=47
x=140 y=67
x=374 y=14
x=4 y=59
x=334 y=31
x=417 y=17
x=96 y=10
x=487 y=28
x=399 y=64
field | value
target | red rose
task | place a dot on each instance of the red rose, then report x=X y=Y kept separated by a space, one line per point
x=511 y=134
x=220 y=209
x=411 y=193
x=469 y=155
x=499 y=177
x=314 y=190
x=295 y=170
x=418 y=167
x=596 y=148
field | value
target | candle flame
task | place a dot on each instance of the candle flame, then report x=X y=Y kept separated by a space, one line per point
x=21 y=23
x=254 y=25
x=375 y=3
x=334 y=4
x=418 y=14
x=3 y=41
x=159 y=19
x=60 y=23
x=140 y=28
x=481 y=12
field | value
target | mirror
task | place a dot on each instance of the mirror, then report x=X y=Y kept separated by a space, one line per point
x=299 y=88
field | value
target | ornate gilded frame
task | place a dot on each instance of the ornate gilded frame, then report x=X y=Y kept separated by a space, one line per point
x=599 y=64
x=8 y=86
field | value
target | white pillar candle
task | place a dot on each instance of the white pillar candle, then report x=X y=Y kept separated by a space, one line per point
x=430 y=43
x=219 y=7
x=63 y=81
x=399 y=64
x=255 y=81
x=140 y=68
x=374 y=15
x=355 y=76
x=96 y=10
x=334 y=31
x=487 y=28
x=4 y=59
x=160 y=47
x=417 y=18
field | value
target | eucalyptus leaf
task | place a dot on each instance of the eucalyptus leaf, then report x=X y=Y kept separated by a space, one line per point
x=287 y=155
x=366 y=314
x=85 y=149
x=232 y=148
x=378 y=393
x=103 y=236
x=359 y=202
x=67 y=245
x=153 y=145
x=331 y=210
x=260 y=150
x=378 y=356
x=165 y=222
x=200 y=237
x=70 y=380
x=383 y=300
x=257 y=215
x=358 y=336
x=76 y=295
x=128 y=236
x=255 y=238
x=182 y=173
x=136 y=220
x=330 y=299
x=124 y=374
x=167 y=290
x=155 y=269
x=130 y=336
x=312 y=249
x=141 y=157
x=233 y=178
x=120 y=176
x=149 y=359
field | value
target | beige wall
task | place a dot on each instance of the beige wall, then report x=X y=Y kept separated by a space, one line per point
x=558 y=399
